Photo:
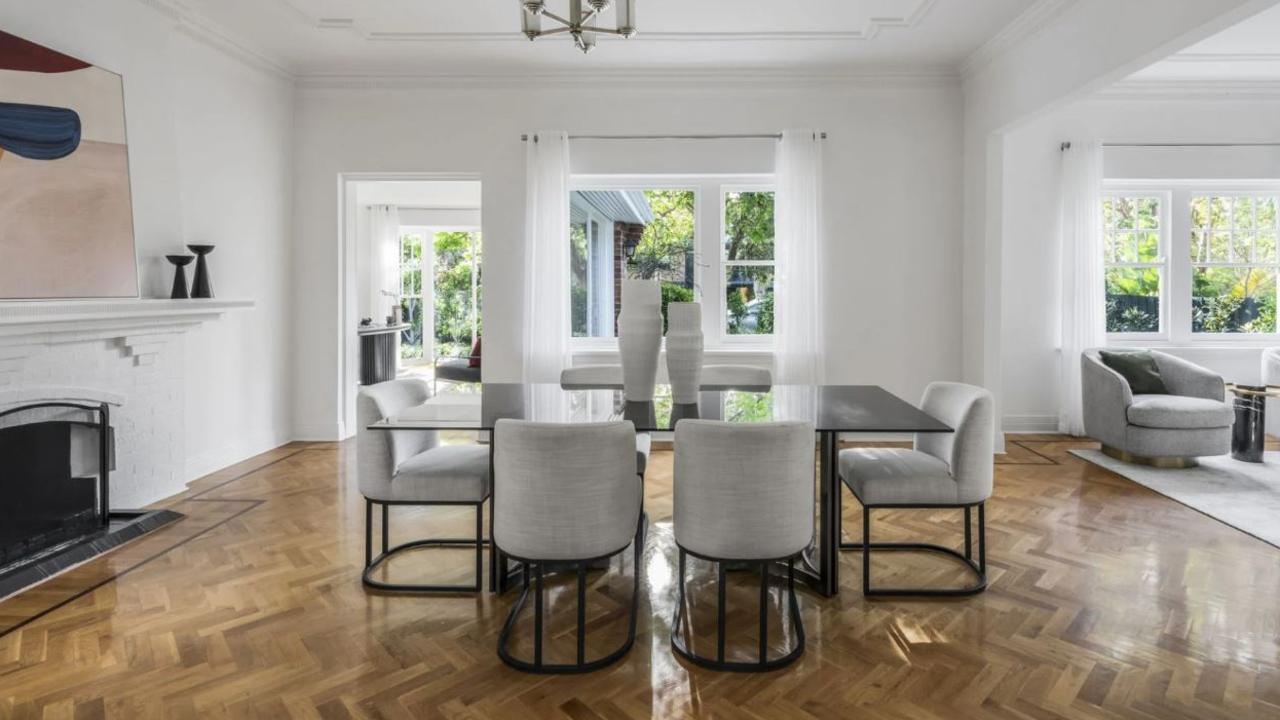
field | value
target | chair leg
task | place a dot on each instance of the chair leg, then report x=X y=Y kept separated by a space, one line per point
x=763 y=664
x=582 y=665
x=979 y=568
x=371 y=562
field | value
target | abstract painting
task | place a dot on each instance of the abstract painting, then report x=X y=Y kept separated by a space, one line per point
x=66 y=214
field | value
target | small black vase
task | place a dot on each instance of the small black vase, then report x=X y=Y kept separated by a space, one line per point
x=201 y=287
x=180 y=263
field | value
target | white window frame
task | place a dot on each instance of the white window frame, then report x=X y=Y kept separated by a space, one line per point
x=724 y=264
x=1164 y=197
x=708 y=246
x=1177 y=291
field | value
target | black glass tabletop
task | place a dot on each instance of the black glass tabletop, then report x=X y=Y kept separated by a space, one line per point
x=831 y=408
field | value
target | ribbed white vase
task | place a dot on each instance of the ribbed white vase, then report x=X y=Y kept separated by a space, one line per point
x=684 y=350
x=640 y=338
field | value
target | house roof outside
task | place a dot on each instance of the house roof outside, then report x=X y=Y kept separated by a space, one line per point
x=628 y=206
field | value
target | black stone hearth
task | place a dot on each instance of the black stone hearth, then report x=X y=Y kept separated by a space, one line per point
x=55 y=465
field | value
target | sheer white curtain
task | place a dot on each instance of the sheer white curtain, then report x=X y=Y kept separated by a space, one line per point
x=798 y=299
x=546 y=306
x=384 y=259
x=1080 y=251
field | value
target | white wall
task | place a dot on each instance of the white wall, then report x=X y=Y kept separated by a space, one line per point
x=210 y=155
x=893 y=212
x=1030 y=264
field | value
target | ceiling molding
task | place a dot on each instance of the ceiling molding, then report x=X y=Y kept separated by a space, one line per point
x=623 y=80
x=204 y=31
x=870 y=29
x=1183 y=89
x=1193 y=58
x=1026 y=24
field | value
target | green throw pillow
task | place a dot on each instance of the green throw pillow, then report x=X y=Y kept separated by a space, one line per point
x=1139 y=368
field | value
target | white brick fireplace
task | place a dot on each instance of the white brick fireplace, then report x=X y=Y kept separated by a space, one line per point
x=131 y=349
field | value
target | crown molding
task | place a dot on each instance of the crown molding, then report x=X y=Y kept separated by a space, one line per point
x=625 y=80
x=1026 y=24
x=1183 y=58
x=1183 y=89
x=869 y=30
x=188 y=23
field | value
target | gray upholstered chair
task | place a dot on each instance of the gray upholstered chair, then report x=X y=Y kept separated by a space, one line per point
x=565 y=495
x=943 y=470
x=411 y=467
x=1165 y=430
x=1271 y=376
x=743 y=493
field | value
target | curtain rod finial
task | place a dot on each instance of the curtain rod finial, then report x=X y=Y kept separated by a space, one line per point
x=1065 y=146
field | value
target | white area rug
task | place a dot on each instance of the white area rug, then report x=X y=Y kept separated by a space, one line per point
x=1244 y=495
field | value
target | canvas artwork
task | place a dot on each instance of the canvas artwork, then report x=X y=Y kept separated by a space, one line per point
x=66 y=216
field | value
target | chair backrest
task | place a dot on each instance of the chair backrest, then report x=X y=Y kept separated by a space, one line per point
x=969 y=451
x=744 y=491
x=380 y=452
x=564 y=491
x=1271 y=366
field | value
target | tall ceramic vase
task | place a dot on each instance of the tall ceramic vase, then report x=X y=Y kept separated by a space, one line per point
x=640 y=338
x=684 y=351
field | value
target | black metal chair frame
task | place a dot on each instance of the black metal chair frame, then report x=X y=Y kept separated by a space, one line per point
x=580 y=567
x=979 y=568
x=764 y=664
x=371 y=562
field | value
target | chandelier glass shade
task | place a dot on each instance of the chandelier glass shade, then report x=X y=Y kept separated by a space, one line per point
x=580 y=23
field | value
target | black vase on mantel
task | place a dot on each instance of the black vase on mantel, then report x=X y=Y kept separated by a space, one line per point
x=201 y=287
x=180 y=263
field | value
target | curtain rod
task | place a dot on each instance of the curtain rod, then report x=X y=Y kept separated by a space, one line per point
x=747 y=136
x=1067 y=145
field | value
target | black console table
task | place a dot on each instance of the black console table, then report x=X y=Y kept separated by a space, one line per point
x=379 y=352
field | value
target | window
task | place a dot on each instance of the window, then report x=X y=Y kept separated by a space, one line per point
x=748 y=262
x=1191 y=261
x=1134 y=263
x=1233 y=261
x=411 y=303
x=658 y=224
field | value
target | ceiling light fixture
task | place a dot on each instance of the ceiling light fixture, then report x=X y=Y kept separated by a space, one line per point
x=581 y=12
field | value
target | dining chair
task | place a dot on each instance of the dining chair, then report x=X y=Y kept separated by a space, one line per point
x=943 y=470
x=743 y=495
x=566 y=497
x=411 y=467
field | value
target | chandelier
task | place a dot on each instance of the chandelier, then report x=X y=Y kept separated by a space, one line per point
x=581 y=13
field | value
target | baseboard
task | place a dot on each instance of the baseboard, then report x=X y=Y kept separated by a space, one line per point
x=1029 y=423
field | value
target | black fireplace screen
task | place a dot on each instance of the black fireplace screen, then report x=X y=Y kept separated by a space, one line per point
x=54 y=469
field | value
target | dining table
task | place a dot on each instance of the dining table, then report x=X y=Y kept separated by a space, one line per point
x=833 y=409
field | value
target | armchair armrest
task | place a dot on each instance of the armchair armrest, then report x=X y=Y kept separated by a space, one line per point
x=1188 y=379
x=1106 y=398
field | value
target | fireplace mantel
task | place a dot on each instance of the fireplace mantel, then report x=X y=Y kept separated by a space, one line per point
x=107 y=318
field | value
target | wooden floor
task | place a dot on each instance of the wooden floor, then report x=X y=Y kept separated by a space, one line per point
x=1106 y=600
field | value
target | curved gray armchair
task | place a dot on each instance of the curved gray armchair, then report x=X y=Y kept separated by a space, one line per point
x=743 y=493
x=411 y=467
x=944 y=470
x=1164 y=430
x=566 y=495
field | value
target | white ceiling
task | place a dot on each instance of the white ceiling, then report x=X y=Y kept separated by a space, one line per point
x=477 y=37
x=1248 y=51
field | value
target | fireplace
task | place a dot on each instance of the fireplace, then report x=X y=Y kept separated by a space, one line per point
x=56 y=459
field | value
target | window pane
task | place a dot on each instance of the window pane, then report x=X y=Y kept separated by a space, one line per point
x=410 y=248
x=1125 y=250
x=1200 y=212
x=1233 y=300
x=748 y=226
x=1266 y=212
x=411 y=337
x=454 y=311
x=1243 y=213
x=658 y=224
x=1148 y=213
x=749 y=300
x=1108 y=212
x=742 y=406
x=1219 y=209
x=1199 y=247
x=1266 y=246
x=1133 y=299
x=1241 y=246
x=1148 y=246
x=1125 y=211
x=1219 y=246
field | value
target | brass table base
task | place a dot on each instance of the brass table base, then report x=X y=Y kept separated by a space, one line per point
x=1156 y=462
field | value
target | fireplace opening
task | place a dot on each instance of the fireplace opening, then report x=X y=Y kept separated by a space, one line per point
x=56 y=459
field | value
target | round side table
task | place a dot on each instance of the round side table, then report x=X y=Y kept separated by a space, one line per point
x=1249 y=434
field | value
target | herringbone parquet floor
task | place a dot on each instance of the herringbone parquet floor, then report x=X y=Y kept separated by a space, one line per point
x=1107 y=600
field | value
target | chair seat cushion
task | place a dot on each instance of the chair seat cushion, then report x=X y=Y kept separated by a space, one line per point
x=449 y=473
x=643 y=444
x=457 y=369
x=1177 y=412
x=897 y=476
